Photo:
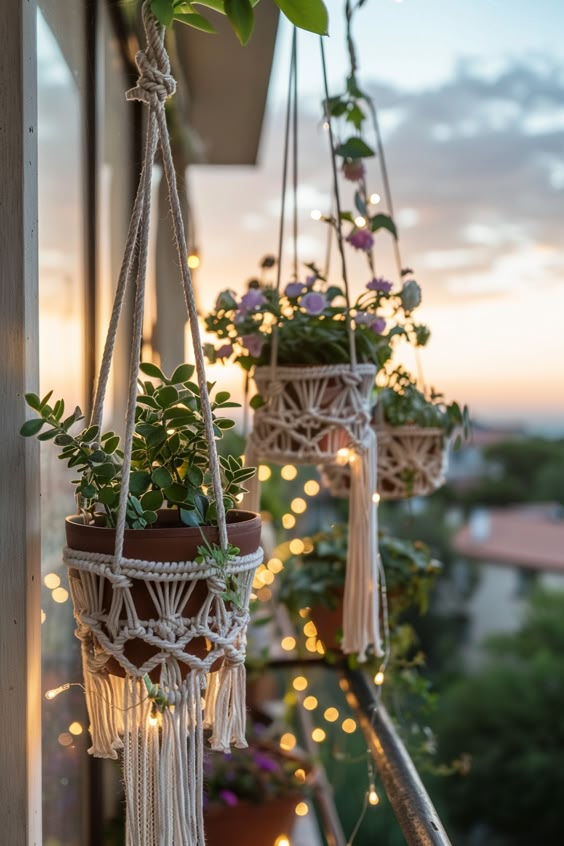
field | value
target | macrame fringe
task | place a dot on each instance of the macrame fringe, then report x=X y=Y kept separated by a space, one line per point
x=361 y=623
x=225 y=709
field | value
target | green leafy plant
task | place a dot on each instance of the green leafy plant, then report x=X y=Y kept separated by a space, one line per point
x=317 y=577
x=170 y=460
x=305 y=14
x=310 y=317
x=402 y=403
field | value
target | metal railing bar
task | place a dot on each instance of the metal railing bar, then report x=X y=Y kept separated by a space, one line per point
x=414 y=810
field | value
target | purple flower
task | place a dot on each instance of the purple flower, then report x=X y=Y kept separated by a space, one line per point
x=311 y=280
x=228 y=797
x=363 y=319
x=314 y=303
x=253 y=344
x=379 y=284
x=252 y=300
x=353 y=170
x=378 y=325
x=265 y=763
x=294 y=289
x=361 y=239
x=224 y=351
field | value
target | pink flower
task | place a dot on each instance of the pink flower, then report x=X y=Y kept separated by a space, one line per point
x=252 y=300
x=228 y=797
x=353 y=169
x=293 y=289
x=379 y=284
x=253 y=344
x=361 y=239
x=314 y=303
x=224 y=351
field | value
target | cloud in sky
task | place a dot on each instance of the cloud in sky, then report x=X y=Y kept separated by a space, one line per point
x=478 y=186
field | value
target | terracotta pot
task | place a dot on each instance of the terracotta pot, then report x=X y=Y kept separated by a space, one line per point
x=246 y=824
x=168 y=540
x=329 y=622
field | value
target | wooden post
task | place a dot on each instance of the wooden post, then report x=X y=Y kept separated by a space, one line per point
x=20 y=575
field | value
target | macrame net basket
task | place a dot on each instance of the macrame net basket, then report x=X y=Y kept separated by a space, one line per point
x=311 y=412
x=163 y=650
x=412 y=461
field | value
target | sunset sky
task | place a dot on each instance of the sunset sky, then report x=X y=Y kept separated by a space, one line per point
x=471 y=101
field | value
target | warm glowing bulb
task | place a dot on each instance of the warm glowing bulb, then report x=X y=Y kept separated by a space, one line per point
x=379 y=678
x=360 y=220
x=153 y=720
x=43 y=616
x=299 y=683
x=193 y=261
x=310 y=703
x=75 y=728
x=302 y=809
x=373 y=797
x=310 y=629
x=282 y=840
x=52 y=581
x=65 y=739
x=288 y=643
x=316 y=214
x=318 y=735
x=303 y=612
x=320 y=648
x=308 y=546
x=275 y=565
x=298 y=505
x=375 y=199
x=311 y=644
x=311 y=487
x=50 y=694
x=264 y=594
x=287 y=742
x=296 y=546
x=267 y=577
x=300 y=775
x=343 y=455
x=288 y=521
x=289 y=472
x=348 y=726
x=331 y=715
x=264 y=473
x=376 y=498
x=60 y=595
x=325 y=125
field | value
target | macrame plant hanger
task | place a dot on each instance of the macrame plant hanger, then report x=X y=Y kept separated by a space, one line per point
x=162 y=764
x=276 y=424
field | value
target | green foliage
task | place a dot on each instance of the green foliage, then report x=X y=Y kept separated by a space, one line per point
x=170 y=458
x=305 y=14
x=318 y=576
x=402 y=404
x=508 y=720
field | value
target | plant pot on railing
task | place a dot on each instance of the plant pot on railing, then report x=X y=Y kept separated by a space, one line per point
x=251 y=794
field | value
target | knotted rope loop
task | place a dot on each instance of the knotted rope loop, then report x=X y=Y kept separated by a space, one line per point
x=154 y=84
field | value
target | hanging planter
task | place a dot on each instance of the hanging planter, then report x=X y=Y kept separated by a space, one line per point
x=413 y=430
x=161 y=609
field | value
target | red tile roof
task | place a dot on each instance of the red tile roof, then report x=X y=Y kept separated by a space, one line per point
x=526 y=536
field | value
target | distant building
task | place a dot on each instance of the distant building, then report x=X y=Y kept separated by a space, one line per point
x=515 y=549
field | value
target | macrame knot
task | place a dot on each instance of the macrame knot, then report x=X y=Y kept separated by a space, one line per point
x=275 y=388
x=351 y=377
x=216 y=584
x=155 y=83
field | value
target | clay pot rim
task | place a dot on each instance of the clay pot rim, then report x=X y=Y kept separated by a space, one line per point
x=235 y=519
